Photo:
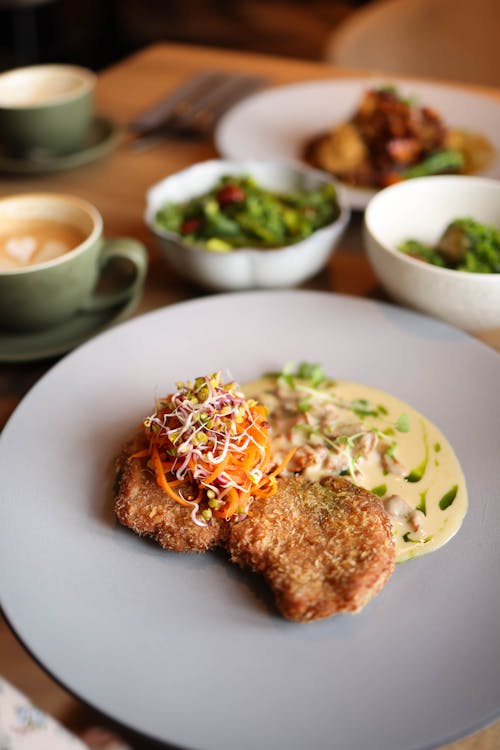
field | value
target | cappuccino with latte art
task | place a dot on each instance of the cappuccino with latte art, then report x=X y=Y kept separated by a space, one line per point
x=36 y=241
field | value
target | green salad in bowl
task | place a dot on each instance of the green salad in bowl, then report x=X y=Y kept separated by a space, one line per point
x=239 y=212
x=465 y=245
x=230 y=225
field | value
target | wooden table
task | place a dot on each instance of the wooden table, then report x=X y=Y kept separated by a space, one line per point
x=117 y=186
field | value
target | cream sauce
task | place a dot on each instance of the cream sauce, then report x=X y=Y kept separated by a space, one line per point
x=377 y=441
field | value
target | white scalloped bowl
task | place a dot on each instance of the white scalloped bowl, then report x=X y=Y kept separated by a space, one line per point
x=244 y=268
x=421 y=209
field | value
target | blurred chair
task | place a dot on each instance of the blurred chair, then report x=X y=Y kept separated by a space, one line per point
x=456 y=40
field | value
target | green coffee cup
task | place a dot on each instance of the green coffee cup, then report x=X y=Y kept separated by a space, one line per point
x=53 y=255
x=45 y=109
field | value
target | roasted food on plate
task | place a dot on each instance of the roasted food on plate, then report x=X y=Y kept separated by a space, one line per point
x=391 y=138
x=320 y=486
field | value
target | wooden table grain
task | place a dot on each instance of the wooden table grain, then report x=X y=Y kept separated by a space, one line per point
x=117 y=184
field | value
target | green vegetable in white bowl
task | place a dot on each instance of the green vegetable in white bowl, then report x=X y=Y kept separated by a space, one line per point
x=465 y=245
x=425 y=210
x=229 y=225
x=238 y=212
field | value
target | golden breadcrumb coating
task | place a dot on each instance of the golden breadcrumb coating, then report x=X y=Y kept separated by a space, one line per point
x=324 y=547
x=146 y=509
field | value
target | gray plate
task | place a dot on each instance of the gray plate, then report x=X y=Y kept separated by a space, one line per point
x=187 y=648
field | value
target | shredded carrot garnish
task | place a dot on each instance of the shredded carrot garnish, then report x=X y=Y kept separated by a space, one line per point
x=140 y=454
x=161 y=478
x=209 y=436
x=282 y=465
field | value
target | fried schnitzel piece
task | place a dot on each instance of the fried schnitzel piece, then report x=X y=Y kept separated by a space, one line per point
x=324 y=547
x=145 y=508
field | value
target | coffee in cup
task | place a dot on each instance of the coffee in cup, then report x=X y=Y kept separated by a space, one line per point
x=36 y=241
x=45 y=109
x=52 y=255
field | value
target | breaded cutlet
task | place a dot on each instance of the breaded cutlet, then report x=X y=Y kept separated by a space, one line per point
x=145 y=508
x=324 y=547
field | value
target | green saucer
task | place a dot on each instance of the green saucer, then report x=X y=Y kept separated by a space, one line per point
x=30 y=347
x=101 y=138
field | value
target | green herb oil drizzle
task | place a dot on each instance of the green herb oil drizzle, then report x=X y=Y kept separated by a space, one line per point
x=448 y=497
x=422 y=503
x=418 y=472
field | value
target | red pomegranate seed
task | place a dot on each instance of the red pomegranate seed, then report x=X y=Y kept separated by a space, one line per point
x=230 y=194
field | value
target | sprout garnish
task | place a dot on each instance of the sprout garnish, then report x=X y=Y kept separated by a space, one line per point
x=209 y=438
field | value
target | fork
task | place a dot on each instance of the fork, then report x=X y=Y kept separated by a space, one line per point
x=194 y=108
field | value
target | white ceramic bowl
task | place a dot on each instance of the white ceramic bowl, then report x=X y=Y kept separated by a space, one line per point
x=421 y=209
x=243 y=268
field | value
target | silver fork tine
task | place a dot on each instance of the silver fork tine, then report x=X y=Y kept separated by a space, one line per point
x=196 y=110
x=187 y=108
x=188 y=91
x=202 y=117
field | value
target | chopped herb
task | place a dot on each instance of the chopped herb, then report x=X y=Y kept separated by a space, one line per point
x=407 y=538
x=314 y=374
x=363 y=408
x=391 y=449
x=403 y=423
x=305 y=373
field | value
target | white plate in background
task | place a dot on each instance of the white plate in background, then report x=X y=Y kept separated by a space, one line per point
x=278 y=122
